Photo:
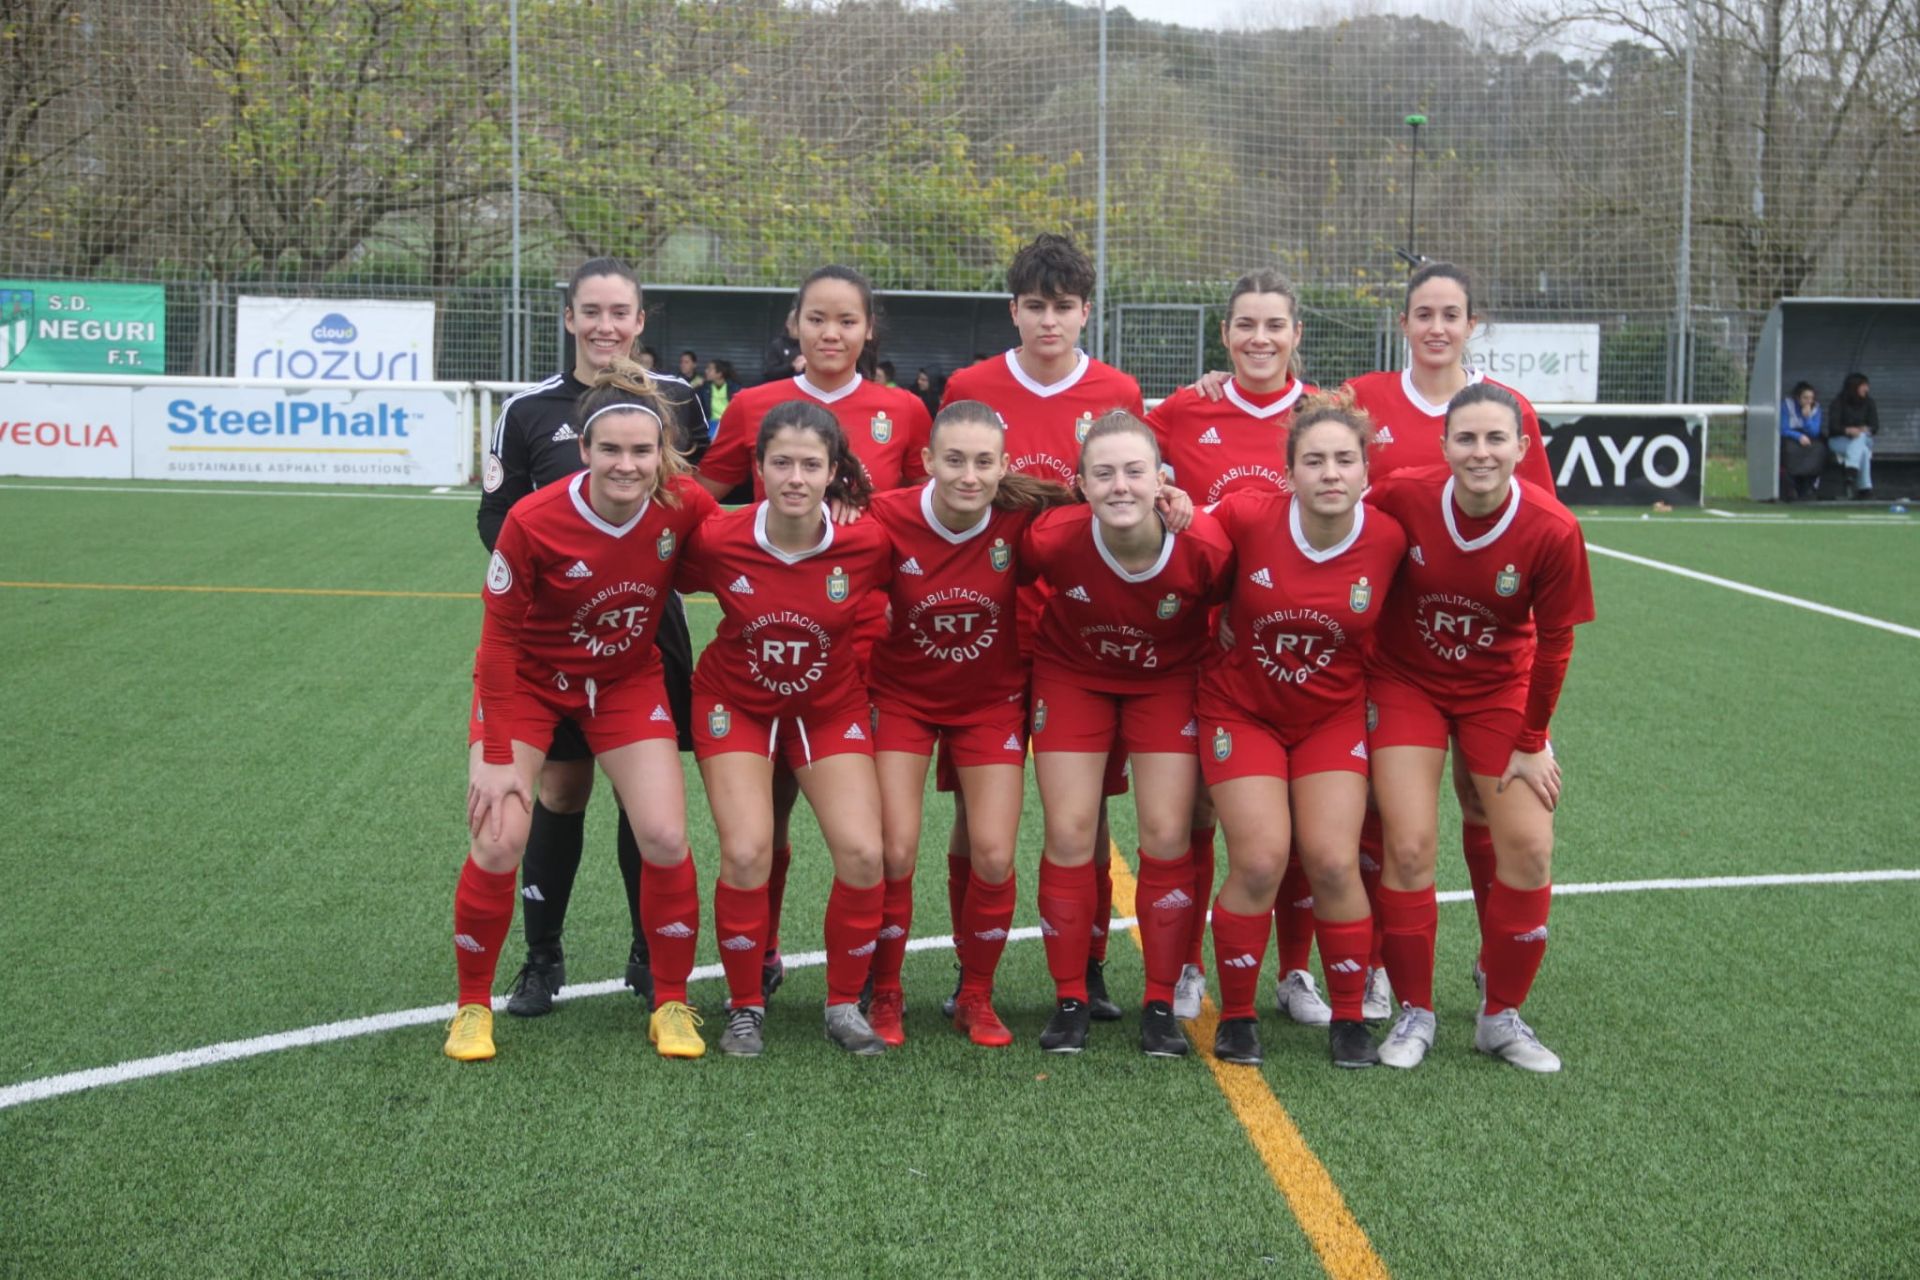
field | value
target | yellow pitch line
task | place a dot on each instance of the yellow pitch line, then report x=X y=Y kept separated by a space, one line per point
x=1309 y=1189
x=244 y=591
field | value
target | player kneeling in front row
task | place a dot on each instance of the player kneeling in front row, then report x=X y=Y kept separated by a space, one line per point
x=1475 y=642
x=574 y=593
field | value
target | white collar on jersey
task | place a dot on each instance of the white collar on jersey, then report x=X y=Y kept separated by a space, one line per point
x=1492 y=535
x=576 y=489
x=827 y=397
x=1426 y=406
x=788 y=557
x=1279 y=406
x=1166 y=554
x=1042 y=389
x=1312 y=552
x=933 y=521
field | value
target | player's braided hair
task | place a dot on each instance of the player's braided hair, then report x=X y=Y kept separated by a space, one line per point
x=627 y=383
x=1329 y=406
x=1016 y=491
x=850 y=483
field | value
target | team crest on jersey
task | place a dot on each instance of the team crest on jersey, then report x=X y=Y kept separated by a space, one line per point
x=1000 y=555
x=1508 y=583
x=1039 y=715
x=1081 y=427
x=499 y=575
x=664 y=547
x=1222 y=743
x=719 y=723
x=1168 y=606
x=492 y=475
x=1359 y=596
x=882 y=428
x=1373 y=716
x=837 y=585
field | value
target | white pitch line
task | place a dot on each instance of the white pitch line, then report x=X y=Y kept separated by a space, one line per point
x=233 y=1050
x=1811 y=606
x=238 y=493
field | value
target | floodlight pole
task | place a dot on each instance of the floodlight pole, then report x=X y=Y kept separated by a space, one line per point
x=1413 y=186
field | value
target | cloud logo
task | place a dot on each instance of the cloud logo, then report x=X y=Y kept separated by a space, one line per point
x=334 y=327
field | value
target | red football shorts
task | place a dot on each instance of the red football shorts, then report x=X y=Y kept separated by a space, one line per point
x=1070 y=717
x=631 y=709
x=798 y=738
x=999 y=738
x=1405 y=715
x=1234 y=745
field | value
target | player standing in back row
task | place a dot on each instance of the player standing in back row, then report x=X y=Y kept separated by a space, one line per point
x=1049 y=393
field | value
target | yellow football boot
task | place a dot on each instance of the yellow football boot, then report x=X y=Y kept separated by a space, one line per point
x=470 y=1034
x=673 y=1028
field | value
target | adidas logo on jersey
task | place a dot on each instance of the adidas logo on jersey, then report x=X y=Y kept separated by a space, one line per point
x=467 y=942
x=1532 y=935
x=1383 y=436
x=891 y=932
x=579 y=570
x=675 y=930
x=864 y=949
x=1417 y=555
x=1261 y=578
x=659 y=714
x=740 y=586
x=1192 y=729
x=1359 y=751
x=1012 y=743
x=992 y=935
x=1242 y=961
x=532 y=893
x=1210 y=436
x=912 y=565
x=738 y=942
x=565 y=433
x=1177 y=900
x=1080 y=594
x=1345 y=966
x=854 y=734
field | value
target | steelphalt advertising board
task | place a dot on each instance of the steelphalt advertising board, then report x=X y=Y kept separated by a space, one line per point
x=1625 y=460
x=333 y=340
x=67 y=431
x=315 y=436
x=58 y=327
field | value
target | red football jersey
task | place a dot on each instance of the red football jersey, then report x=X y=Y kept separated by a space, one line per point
x=954 y=654
x=577 y=597
x=1407 y=426
x=1115 y=631
x=784 y=643
x=1045 y=424
x=886 y=426
x=1217 y=447
x=1460 y=618
x=1303 y=619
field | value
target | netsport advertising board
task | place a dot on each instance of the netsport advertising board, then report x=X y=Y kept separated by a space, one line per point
x=59 y=327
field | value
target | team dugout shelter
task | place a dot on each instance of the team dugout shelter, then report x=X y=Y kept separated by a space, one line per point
x=1821 y=341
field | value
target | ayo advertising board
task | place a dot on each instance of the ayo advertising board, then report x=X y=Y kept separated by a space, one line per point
x=332 y=340
x=1626 y=460
x=50 y=430
x=1546 y=363
x=56 y=327
x=317 y=436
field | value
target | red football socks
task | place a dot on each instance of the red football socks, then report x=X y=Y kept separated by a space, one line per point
x=1239 y=945
x=1343 y=955
x=482 y=914
x=1101 y=921
x=1165 y=905
x=896 y=919
x=1476 y=845
x=1066 y=925
x=1412 y=921
x=777 y=894
x=988 y=917
x=1372 y=864
x=1201 y=847
x=853 y=928
x=1293 y=919
x=670 y=913
x=740 y=922
x=959 y=876
x=1514 y=940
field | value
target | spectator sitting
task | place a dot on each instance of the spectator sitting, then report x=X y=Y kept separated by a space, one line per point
x=927 y=385
x=783 y=353
x=1852 y=420
x=1802 y=450
x=690 y=370
x=884 y=371
x=719 y=387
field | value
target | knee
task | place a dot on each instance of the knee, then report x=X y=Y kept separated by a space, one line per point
x=1070 y=841
x=992 y=860
x=745 y=866
x=1332 y=875
x=496 y=855
x=1165 y=838
x=1258 y=874
x=661 y=840
x=899 y=857
x=859 y=863
x=1526 y=863
x=1409 y=861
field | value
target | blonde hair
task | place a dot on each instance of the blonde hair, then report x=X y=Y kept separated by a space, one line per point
x=1118 y=422
x=625 y=383
x=1329 y=406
